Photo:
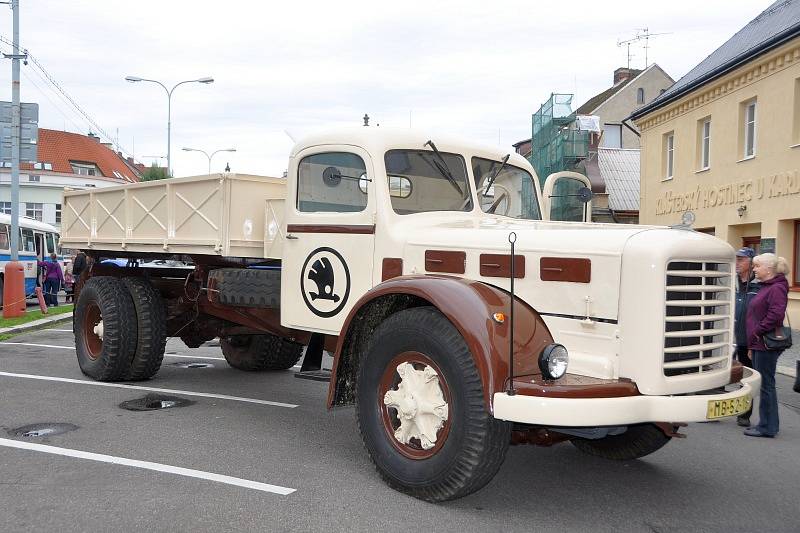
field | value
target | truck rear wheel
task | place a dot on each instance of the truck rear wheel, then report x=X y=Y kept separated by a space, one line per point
x=421 y=410
x=105 y=331
x=151 y=322
x=260 y=352
x=637 y=441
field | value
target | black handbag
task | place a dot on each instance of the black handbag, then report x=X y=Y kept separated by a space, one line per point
x=780 y=338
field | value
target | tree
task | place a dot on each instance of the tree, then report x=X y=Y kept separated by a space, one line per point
x=155 y=172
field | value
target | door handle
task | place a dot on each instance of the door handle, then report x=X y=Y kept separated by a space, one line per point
x=290 y=236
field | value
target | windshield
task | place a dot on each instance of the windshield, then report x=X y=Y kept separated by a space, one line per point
x=419 y=183
x=512 y=193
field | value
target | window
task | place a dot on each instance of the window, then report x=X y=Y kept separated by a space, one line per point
x=37 y=166
x=5 y=208
x=33 y=210
x=612 y=135
x=4 y=242
x=48 y=166
x=51 y=245
x=512 y=193
x=564 y=205
x=58 y=213
x=85 y=169
x=669 y=155
x=704 y=141
x=640 y=95
x=329 y=182
x=435 y=185
x=748 y=129
x=26 y=242
x=33 y=178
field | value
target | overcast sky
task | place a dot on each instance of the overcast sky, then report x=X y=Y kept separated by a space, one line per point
x=474 y=68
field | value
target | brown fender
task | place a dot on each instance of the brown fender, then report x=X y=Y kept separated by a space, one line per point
x=468 y=304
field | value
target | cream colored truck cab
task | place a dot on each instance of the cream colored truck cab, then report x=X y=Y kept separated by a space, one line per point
x=392 y=249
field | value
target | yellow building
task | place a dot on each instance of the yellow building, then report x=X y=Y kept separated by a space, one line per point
x=724 y=143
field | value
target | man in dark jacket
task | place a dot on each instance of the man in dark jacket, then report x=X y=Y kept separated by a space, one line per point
x=746 y=288
x=79 y=265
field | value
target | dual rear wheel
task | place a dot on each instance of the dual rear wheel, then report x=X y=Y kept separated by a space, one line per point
x=120 y=329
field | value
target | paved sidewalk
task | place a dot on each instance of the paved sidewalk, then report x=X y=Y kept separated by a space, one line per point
x=37 y=324
x=787 y=362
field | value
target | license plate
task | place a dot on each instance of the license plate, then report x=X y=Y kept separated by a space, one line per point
x=733 y=406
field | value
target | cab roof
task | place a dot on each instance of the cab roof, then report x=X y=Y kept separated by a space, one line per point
x=379 y=139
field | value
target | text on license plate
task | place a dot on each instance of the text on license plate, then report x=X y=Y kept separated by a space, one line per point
x=730 y=407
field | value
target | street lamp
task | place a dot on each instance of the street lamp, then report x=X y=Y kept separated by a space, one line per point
x=134 y=79
x=186 y=149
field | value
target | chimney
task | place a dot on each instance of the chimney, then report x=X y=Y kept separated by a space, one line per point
x=129 y=160
x=93 y=136
x=622 y=74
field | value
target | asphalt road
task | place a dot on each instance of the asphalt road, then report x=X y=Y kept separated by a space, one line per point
x=714 y=480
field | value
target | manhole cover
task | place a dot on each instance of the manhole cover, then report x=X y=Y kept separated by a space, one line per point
x=42 y=430
x=154 y=402
x=192 y=364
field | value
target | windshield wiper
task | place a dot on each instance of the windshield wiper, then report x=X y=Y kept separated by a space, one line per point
x=442 y=167
x=494 y=175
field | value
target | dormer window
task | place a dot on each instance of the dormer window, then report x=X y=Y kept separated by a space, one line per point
x=85 y=169
x=640 y=95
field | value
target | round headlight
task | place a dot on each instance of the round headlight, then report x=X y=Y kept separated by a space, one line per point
x=553 y=361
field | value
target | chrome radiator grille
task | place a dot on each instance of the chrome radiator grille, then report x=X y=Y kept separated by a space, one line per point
x=697 y=317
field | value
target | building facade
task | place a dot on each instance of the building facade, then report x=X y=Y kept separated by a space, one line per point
x=64 y=160
x=724 y=143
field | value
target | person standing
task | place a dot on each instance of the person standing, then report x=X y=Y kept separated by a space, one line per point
x=53 y=279
x=78 y=265
x=765 y=313
x=746 y=288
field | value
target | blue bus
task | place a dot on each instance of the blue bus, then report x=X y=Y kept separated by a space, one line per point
x=37 y=241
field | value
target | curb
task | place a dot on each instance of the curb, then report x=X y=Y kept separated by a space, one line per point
x=36 y=324
x=786 y=371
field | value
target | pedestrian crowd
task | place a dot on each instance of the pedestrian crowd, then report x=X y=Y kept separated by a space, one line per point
x=761 y=300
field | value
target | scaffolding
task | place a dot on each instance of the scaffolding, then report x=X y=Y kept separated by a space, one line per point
x=556 y=144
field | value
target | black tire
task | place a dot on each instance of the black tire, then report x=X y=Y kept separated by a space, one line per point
x=247 y=287
x=260 y=352
x=636 y=442
x=108 y=358
x=151 y=325
x=470 y=445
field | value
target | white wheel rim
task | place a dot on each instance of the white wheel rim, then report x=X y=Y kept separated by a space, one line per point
x=420 y=405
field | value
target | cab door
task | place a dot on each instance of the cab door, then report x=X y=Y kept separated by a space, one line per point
x=329 y=237
x=567 y=196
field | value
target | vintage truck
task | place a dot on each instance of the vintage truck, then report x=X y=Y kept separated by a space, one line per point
x=391 y=250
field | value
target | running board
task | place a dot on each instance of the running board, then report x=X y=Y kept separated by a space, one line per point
x=314 y=375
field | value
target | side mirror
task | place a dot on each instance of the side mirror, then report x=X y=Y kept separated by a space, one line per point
x=585 y=194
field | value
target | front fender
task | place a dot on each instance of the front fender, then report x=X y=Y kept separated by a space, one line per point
x=468 y=304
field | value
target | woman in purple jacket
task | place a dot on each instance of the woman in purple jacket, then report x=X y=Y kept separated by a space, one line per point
x=765 y=313
x=53 y=280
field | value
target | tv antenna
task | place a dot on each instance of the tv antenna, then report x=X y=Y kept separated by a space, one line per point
x=642 y=34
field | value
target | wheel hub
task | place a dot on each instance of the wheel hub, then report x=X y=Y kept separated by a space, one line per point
x=420 y=405
x=98 y=330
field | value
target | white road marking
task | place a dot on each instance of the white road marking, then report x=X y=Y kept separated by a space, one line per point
x=72 y=348
x=194 y=357
x=54 y=329
x=39 y=345
x=147 y=465
x=151 y=389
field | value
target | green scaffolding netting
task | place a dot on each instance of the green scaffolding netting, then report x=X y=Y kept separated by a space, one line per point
x=556 y=144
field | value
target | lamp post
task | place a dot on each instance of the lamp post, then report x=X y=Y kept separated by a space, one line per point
x=185 y=149
x=134 y=79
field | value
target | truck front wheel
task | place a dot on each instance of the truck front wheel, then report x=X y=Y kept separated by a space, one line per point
x=421 y=410
x=636 y=442
x=105 y=331
x=260 y=352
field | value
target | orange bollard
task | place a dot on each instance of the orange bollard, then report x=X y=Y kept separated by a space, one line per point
x=40 y=297
x=14 y=290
